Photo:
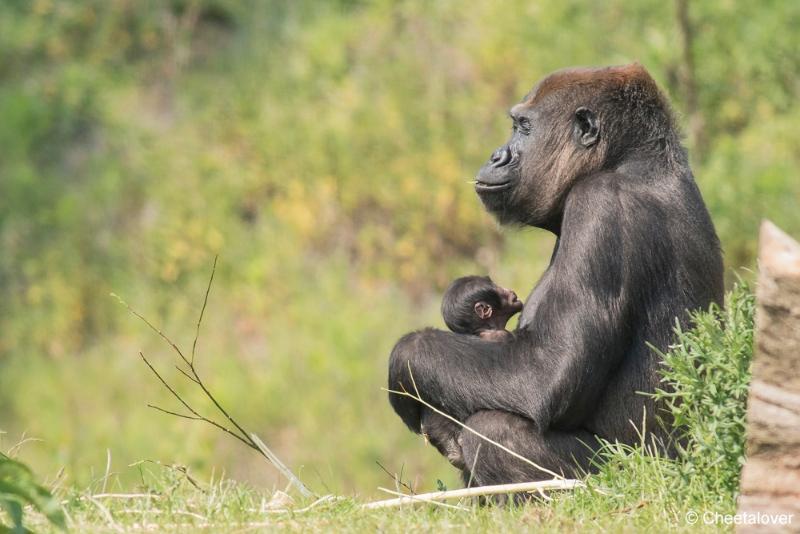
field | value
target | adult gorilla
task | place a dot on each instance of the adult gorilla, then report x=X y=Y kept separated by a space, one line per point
x=594 y=157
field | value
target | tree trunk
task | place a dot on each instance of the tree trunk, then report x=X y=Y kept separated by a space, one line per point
x=771 y=475
x=688 y=80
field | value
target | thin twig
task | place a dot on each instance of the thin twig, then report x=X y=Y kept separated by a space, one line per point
x=192 y=410
x=203 y=309
x=187 y=375
x=152 y=327
x=190 y=363
x=176 y=414
x=429 y=501
x=166 y=385
x=237 y=430
x=476 y=492
x=185 y=472
x=221 y=409
x=398 y=481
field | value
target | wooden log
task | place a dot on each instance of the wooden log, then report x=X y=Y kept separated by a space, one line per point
x=771 y=476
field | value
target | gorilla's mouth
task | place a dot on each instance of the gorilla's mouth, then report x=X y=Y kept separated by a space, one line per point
x=485 y=187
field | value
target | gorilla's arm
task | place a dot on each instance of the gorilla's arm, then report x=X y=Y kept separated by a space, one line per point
x=556 y=366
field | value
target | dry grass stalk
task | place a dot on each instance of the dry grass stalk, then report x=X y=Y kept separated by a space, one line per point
x=500 y=489
x=428 y=501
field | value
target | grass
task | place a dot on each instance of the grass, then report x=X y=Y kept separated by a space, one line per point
x=705 y=378
x=167 y=501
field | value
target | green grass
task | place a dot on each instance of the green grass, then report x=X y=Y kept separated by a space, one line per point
x=226 y=506
x=705 y=378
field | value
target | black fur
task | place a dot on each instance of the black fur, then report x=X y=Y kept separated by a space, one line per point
x=596 y=159
x=458 y=303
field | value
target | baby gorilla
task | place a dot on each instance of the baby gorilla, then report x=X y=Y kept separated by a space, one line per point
x=476 y=306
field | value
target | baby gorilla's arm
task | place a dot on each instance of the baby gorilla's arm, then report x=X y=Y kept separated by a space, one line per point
x=443 y=434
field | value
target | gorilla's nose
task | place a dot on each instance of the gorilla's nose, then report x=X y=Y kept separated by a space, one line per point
x=501 y=157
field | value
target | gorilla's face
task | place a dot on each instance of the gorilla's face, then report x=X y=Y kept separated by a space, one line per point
x=552 y=142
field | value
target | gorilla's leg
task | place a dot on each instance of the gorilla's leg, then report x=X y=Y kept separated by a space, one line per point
x=567 y=453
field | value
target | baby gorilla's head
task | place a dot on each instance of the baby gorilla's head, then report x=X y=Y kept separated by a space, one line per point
x=473 y=304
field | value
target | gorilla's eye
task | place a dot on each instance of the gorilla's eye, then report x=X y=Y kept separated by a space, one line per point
x=521 y=125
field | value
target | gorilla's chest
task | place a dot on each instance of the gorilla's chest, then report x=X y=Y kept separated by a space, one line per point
x=534 y=300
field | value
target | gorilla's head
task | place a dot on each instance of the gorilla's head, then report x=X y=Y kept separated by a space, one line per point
x=573 y=123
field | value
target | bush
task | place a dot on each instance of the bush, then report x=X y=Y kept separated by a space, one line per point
x=706 y=376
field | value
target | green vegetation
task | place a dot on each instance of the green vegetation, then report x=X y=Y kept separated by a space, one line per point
x=18 y=488
x=707 y=372
x=324 y=150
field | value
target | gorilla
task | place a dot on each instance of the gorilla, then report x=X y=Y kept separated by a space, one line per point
x=595 y=157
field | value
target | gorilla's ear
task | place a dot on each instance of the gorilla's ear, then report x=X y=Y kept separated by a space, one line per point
x=483 y=310
x=587 y=131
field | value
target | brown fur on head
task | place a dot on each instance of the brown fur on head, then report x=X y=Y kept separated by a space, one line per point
x=573 y=123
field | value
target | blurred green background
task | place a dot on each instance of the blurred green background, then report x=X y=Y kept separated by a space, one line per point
x=324 y=150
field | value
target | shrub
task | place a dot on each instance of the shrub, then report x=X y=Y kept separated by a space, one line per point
x=706 y=375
